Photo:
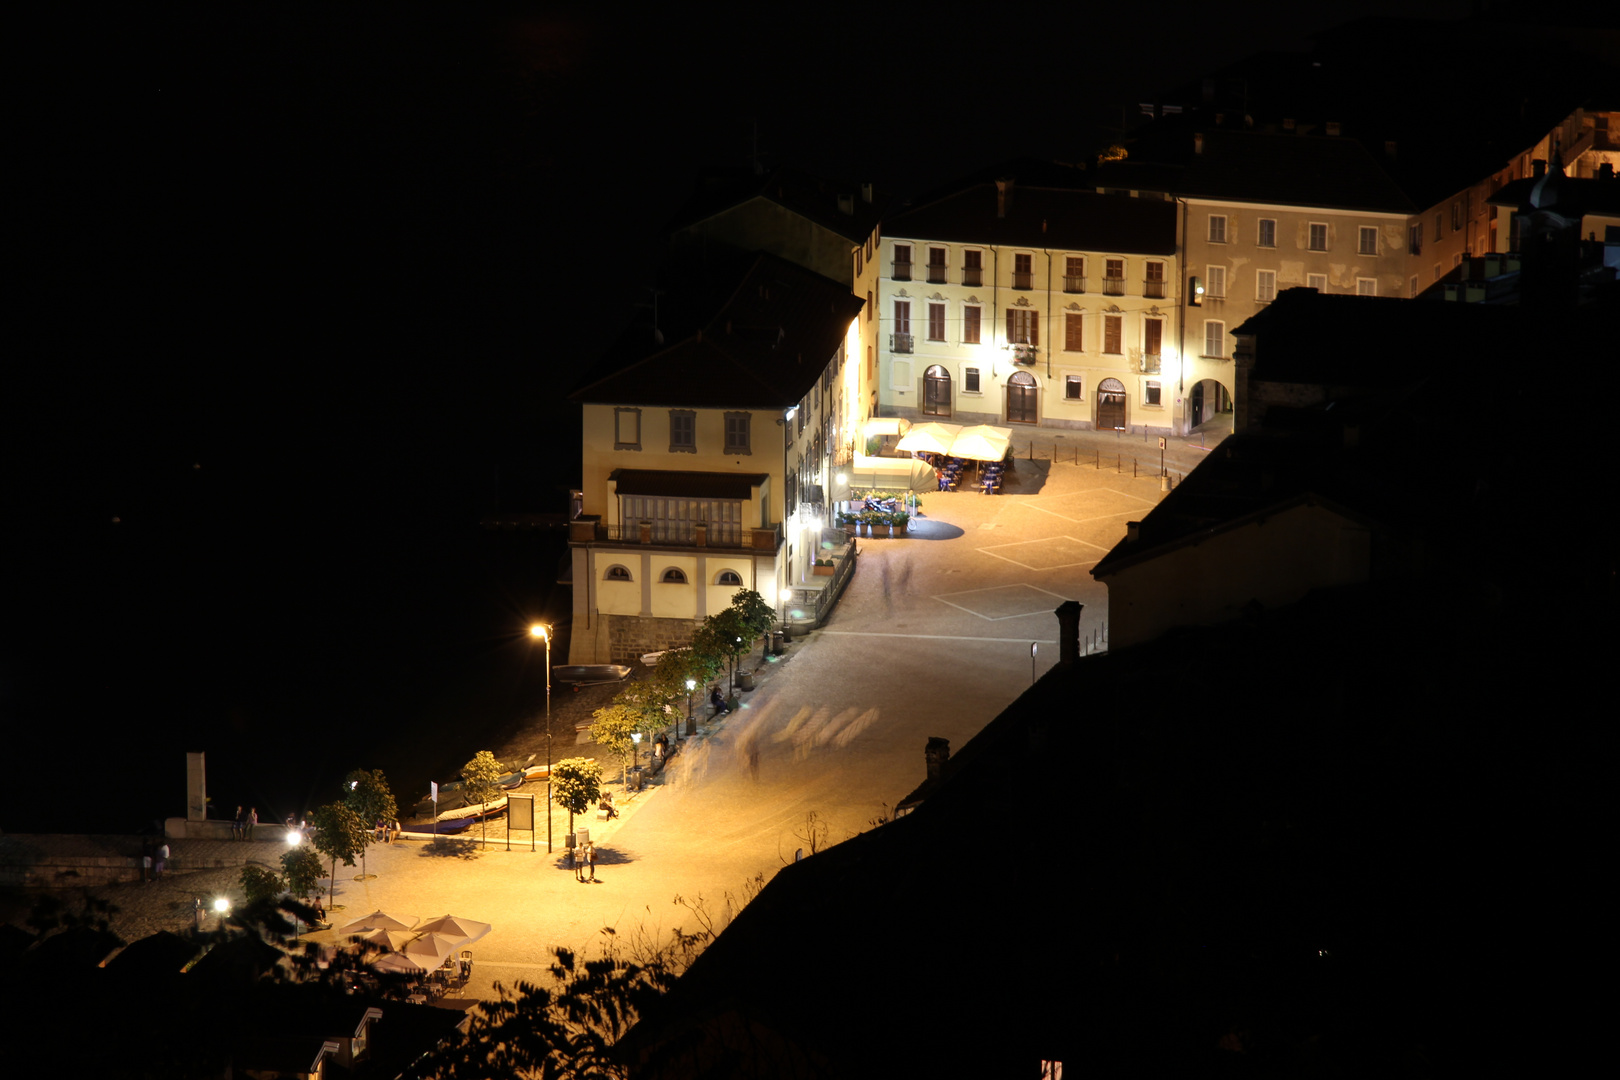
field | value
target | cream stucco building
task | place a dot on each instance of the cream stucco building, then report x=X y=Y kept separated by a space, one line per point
x=707 y=453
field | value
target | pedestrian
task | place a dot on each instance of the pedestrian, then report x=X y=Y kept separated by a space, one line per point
x=578 y=855
x=716 y=702
x=146 y=868
x=606 y=806
x=160 y=862
x=252 y=820
x=239 y=825
x=590 y=860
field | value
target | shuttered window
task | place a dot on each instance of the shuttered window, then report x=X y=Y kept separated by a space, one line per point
x=1073 y=341
x=1023 y=326
x=970 y=325
x=1112 y=327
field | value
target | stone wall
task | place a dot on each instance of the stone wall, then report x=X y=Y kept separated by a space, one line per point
x=632 y=636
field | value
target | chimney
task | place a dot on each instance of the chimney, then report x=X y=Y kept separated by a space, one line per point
x=1068 y=614
x=1198 y=142
x=1003 y=190
x=846 y=203
x=866 y=192
x=936 y=754
x=1133 y=530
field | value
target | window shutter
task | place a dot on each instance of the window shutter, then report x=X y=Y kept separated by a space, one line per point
x=1012 y=326
x=1034 y=328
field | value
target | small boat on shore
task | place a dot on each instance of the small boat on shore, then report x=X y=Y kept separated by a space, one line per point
x=590 y=674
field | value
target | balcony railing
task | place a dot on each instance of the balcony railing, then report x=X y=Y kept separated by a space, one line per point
x=1023 y=279
x=972 y=275
x=1075 y=283
x=900 y=343
x=1113 y=286
x=936 y=274
x=1153 y=290
x=1150 y=363
x=902 y=270
x=587 y=529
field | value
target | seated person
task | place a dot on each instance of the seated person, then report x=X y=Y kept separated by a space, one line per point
x=718 y=703
x=606 y=805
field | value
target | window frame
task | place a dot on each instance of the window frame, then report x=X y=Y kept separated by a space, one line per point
x=673 y=575
x=721 y=582
x=623 y=574
x=896 y=262
x=1319 y=282
x=972 y=324
x=677 y=419
x=1217 y=335
x=1076 y=383
x=936 y=321
x=1113 y=333
x=1074 y=331
x=1211 y=274
x=620 y=412
x=1364 y=233
x=970 y=381
x=739 y=433
x=1152 y=394
x=1216 y=233
x=973 y=260
x=1311 y=235
x=1366 y=286
x=1265 y=286
x=1264 y=227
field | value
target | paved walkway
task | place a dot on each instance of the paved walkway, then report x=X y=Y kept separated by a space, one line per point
x=933 y=638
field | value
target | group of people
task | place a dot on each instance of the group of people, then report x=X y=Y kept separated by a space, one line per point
x=242 y=826
x=387 y=831
x=585 y=858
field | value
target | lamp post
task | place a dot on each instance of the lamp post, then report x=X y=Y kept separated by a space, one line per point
x=787 y=595
x=541 y=630
x=691 y=684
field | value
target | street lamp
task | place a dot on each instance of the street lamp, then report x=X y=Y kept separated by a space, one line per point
x=787 y=595
x=542 y=631
x=691 y=685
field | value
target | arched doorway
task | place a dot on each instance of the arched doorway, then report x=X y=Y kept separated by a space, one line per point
x=1110 y=405
x=936 y=392
x=1207 y=399
x=1022 y=391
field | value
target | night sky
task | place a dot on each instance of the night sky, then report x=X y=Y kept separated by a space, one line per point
x=300 y=290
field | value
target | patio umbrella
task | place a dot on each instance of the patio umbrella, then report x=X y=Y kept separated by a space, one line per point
x=388 y=939
x=902 y=474
x=378 y=920
x=934 y=437
x=401 y=963
x=455 y=929
x=982 y=443
x=431 y=950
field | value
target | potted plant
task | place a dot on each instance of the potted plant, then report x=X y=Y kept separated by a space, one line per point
x=898 y=522
x=823 y=568
x=847 y=523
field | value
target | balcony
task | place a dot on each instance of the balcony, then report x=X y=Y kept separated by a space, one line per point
x=1074 y=283
x=972 y=275
x=900 y=343
x=1113 y=286
x=1023 y=279
x=588 y=529
x=1150 y=363
x=902 y=270
x=936 y=274
x=1153 y=290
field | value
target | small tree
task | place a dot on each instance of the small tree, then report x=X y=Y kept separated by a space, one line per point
x=302 y=869
x=478 y=783
x=366 y=793
x=614 y=726
x=575 y=784
x=754 y=614
x=339 y=834
x=260 y=884
x=726 y=636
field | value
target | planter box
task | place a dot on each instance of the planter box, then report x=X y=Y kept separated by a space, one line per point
x=822 y=571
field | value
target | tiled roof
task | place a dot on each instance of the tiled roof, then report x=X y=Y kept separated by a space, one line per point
x=814 y=198
x=742 y=332
x=1257 y=167
x=1042 y=217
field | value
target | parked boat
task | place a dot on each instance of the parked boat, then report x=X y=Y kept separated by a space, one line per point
x=590 y=674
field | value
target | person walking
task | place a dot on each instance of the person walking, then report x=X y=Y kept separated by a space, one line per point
x=590 y=860
x=239 y=825
x=160 y=862
x=252 y=820
x=579 y=864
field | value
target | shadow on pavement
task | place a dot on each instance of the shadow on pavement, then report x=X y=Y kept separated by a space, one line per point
x=446 y=847
x=922 y=528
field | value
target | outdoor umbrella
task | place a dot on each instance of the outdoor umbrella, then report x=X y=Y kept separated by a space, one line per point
x=431 y=950
x=982 y=443
x=933 y=437
x=403 y=963
x=378 y=920
x=455 y=929
x=388 y=939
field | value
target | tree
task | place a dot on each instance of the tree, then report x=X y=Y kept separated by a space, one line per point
x=575 y=784
x=755 y=614
x=614 y=726
x=724 y=635
x=302 y=869
x=260 y=884
x=479 y=783
x=339 y=834
x=366 y=793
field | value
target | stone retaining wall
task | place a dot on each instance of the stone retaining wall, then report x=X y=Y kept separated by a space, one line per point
x=630 y=637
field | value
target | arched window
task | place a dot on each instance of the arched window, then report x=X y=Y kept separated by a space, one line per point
x=616 y=573
x=728 y=577
x=674 y=576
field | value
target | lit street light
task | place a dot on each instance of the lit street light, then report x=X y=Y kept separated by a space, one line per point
x=541 y=630
x=691 y=726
